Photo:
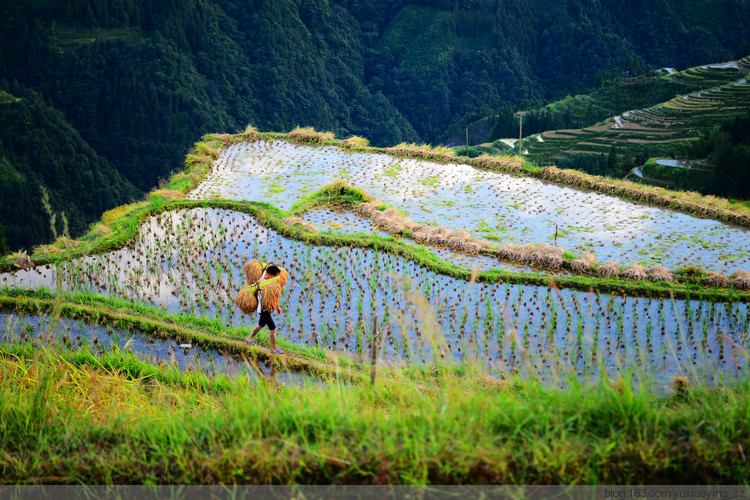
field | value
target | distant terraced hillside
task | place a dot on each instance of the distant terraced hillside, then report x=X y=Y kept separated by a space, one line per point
x=722 y=93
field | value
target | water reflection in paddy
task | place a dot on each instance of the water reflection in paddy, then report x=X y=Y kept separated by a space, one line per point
x=190 y=261
x=488 y=204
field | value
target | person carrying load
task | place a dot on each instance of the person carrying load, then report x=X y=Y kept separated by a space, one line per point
x=261 y=296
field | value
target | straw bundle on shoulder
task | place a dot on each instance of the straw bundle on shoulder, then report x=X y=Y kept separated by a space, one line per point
x=635 y=272
x=661 y=273
x=609 y=270
x=254 y=271
x=741 y=280
x=717 y=279
x=247 y=301
x=270 y=297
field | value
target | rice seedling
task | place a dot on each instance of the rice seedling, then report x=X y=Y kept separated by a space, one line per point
x=316 y=167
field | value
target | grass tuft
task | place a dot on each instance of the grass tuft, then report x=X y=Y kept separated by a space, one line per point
x=310 y=135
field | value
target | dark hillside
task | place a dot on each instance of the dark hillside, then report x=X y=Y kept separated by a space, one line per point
x=37 y=147
x=140 y=80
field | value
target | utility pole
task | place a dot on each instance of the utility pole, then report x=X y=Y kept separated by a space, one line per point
x=520 y=131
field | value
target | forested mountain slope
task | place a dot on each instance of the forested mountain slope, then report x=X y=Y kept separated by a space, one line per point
x=38 y=148
x=140 y=80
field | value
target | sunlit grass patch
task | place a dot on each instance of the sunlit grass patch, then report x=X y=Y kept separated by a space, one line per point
x=355 y=142
x=310 y=135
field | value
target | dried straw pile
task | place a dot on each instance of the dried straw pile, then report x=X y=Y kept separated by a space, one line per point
x=547 y=256
x=540 y=256
x=585 y=264
x=717 y=280
x=421 y=151
x=502 y=163
x=609 y=270
x=661 y=273
x=296 y=221
x=635 y=272
x=368 y=208
x=741 y=280
x=464 y=242
x=250 y=133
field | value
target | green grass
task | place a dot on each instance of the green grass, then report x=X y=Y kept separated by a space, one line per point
x=70 y=419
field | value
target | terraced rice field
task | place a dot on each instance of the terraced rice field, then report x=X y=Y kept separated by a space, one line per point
x=488 y=204
x=96 y=338
x=346 y=299
x=715 y=92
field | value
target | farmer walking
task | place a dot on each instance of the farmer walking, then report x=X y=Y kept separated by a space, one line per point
x=261 y=296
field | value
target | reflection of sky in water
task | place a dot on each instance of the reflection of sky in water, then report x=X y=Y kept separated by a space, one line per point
x=488 y=204
x=336 y=221
x=335 y=294
x=164 y=352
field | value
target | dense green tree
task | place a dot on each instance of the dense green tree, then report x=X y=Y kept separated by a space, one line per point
x=39 y=148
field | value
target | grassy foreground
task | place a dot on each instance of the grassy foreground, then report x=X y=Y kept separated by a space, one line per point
x=67 y=419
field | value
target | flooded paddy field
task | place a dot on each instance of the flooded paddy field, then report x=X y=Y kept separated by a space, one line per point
x=490 y=205
x=96 y=338
x=191 y=261
x=344 y=222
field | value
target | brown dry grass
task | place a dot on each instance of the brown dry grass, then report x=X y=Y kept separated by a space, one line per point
x=61 y=244
x=425 y=151
x=716 y=279
x=296 y=221
x=635 y=272
x=585 y=264
x=168 y=194
x=310 y=135
x=368 y=208
x=741 y=280
x=503 y=163
x=608 y=270
x=661 y=273
x=250 y=133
